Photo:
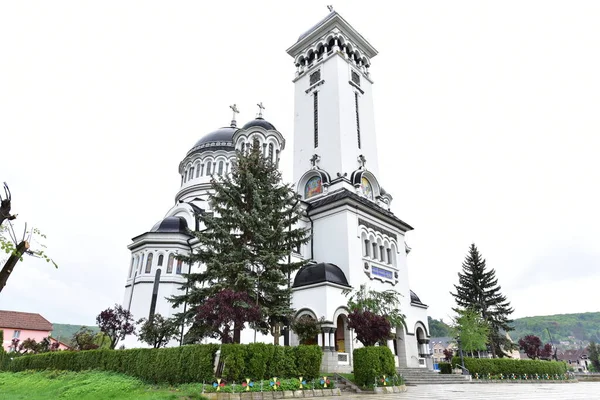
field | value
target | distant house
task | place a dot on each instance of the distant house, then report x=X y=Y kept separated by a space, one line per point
x=23 y=326
x=437 y=345
x=577 y=359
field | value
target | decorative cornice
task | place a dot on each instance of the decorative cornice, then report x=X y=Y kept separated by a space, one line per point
x=377 y=229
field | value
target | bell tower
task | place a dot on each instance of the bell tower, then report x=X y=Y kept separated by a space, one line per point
x=334 y=127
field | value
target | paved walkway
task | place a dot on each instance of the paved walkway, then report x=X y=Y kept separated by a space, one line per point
x=477 y=391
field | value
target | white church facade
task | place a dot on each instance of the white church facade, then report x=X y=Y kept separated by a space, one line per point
x=355 y=239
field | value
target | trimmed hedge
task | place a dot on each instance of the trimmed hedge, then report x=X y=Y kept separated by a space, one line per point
x=193 y=363
x=445 y=368
x=507 y=366
x=371 y=363
x=184 y=364
x=264 y=361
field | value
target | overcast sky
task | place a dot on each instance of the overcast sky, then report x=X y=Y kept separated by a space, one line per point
x=487 y=117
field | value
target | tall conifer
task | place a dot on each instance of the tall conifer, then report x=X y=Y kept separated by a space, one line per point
x=246 y=242
x=478 y=290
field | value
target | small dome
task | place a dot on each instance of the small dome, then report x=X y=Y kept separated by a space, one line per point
x=318 y=273
x=414 y=298
x=260 y=122
x=222 y=137
x=171 y=225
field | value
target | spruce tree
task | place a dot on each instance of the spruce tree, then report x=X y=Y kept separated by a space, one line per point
x=478 y=290
x=246 y=243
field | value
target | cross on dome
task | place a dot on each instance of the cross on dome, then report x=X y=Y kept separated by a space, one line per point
x=362 y=161
x=260 y=109
x=235 y=111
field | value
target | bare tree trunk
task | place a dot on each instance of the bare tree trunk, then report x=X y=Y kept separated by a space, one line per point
x=11 y=262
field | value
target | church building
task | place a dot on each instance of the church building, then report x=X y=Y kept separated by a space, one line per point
x=355 y=238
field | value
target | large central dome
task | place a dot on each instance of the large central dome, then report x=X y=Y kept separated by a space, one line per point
x=221 y=138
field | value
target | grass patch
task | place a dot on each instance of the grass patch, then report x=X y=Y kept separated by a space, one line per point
x=350 y=377
x=88 y=385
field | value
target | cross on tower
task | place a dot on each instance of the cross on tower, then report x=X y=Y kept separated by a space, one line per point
x=235 y=111
x=362 y=161
x=260 y=109
x=314 y=160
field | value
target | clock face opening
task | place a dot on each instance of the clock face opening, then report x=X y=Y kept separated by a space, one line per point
x=366 y=188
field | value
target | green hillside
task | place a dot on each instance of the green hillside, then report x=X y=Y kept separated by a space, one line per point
x=572 y=328
x=563 y=327
x=64 y=332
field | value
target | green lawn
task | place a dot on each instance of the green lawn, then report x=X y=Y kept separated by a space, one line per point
x=87 y=385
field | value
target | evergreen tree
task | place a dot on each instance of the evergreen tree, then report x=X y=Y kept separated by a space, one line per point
x=246 y=244
x=478 y=290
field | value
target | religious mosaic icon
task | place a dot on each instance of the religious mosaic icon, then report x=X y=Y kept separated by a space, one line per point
x=366 y=188
x=313 y=187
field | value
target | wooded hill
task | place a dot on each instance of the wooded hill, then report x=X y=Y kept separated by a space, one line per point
x=65 y=332
x=572 y=328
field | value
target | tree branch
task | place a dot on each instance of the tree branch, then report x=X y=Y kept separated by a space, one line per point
x=11 y=262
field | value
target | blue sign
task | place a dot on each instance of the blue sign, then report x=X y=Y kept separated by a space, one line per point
x=382 y=272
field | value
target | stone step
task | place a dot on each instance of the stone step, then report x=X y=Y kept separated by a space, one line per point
x=422 y=376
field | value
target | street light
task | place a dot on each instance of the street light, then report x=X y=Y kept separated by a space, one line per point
x=462 y=359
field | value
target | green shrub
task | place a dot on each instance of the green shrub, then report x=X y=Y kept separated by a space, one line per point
x=507 y=366
x=308 y=361
x=192 y=363
x=371 y=363
x=445 y=368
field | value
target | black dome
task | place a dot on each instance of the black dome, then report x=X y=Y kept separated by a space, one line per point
x=260 y=122
x=414 y=298
x=317 y=273
x=220 y=137
x=171 y=225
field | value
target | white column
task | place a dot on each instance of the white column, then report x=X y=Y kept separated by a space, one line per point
x=326 y=334
x=332 y=340
x=390 y=344
x=320 y=340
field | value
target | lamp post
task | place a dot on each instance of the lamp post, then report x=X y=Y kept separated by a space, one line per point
x=462 y=359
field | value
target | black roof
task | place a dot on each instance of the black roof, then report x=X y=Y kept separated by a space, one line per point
x=318 y=273
x=414 y=299
x=344 y=193
x=171 y=225
x=221 y=135
x=260 y=122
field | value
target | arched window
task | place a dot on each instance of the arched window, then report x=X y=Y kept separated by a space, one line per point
x=201 y=169
x=243 y=146
x=366 y=188
x=220 y=167
x=374 y=251
x=131 y=267
x=389 y=255
x=227 y=168
x=192 y=173
x=271 y=152
x=160 y=260
x=313 y=187
x=141 y=263
x=208 y=165
x=179 y=264
x=255 y=143
x=366 y=248
x=149 y=263
x=197 y=170
x=170 y=263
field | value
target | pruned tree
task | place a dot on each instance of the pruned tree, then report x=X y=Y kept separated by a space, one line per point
x=5 y=206
x=246 y=242
x=220 y=314
x=87 y=339
x=13 y=245
x=157 y=331
x=531 y=346
x=116 y=323
x=478 y=290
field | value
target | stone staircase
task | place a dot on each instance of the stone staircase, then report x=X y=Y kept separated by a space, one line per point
x=423 y=376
